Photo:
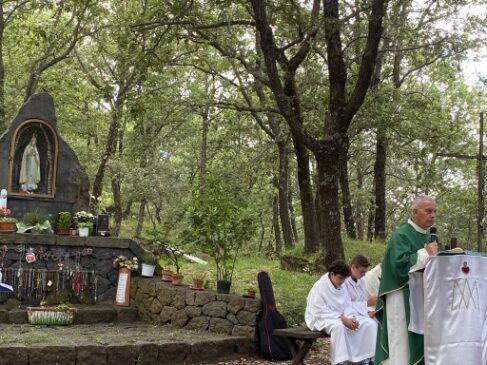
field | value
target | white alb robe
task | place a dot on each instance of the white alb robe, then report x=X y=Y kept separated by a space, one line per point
x=325 y=305
x=358 y=295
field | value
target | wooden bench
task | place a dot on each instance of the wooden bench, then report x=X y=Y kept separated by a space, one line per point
x=300 y=340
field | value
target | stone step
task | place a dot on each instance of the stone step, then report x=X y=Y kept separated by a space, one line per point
x=116 y=344
x=85 y=314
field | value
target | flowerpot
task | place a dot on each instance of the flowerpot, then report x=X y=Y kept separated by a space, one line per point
x=166 y=275
x=148 y=270
x=177 y=279
x=250 y=294
x=7 y=227
x=83 y=231
x=64 y=231
x=50 y=315
x=223 y=286
x=197 y=284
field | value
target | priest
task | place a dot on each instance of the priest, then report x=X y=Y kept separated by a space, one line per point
x=408 y=249
x=329 y=308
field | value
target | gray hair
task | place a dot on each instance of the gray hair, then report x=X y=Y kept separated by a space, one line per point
x=419 y=199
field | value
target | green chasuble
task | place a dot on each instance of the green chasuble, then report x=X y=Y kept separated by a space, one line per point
x=400 y=256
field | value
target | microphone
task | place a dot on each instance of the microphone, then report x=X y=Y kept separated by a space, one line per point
x=434 y=237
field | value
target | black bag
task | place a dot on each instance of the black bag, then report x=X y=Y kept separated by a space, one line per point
x=273 y=348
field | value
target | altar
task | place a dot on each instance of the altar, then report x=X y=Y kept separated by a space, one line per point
x=455 y=310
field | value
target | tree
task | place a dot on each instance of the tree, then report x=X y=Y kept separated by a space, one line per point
x=341 y=107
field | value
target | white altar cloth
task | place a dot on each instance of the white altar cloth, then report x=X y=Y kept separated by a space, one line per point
x=455 y=310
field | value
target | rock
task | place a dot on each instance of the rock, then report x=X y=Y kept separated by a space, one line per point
x=14 y=355
x=193 y=311
x=246 y=318
x=198 y=323
x=166 y=314
x=215 y=309
x=60 y=355
x=179 y=318
x=220 y=325
x=155 y=306
x=91 y=355
x=235 y=304
x=245 y=331
x=203 y=297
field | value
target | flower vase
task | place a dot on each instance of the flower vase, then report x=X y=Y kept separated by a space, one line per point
x=83 y=231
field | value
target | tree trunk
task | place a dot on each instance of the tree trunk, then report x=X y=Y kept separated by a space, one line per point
x=117 y=205
x=292 y=215
x=310 y=219
x=360 y=207
x=328 y=174
x=370 y=221
x=345 y=189
x=319 y=216
x=109 y=151
x=205 y=124
x=287 y=231
x=140 y=218
x=128 y=209
x=275 y=223
x=380 y=187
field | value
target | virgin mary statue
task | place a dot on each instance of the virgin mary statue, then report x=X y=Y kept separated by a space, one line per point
x=30 y=170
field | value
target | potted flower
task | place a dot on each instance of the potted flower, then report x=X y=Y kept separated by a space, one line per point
x=7 y=224
x=63 y=223
x=198 y=280
x=251 y=290
x=122 y=262
x=34 y=222
x=84 y=222
x=149 y=263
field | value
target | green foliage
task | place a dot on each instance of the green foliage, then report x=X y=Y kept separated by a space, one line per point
x=219 y=224
x=34 y=222
x=64 y=220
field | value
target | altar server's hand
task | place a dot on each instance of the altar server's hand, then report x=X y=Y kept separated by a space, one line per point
x=350 y=323
x=432 y=248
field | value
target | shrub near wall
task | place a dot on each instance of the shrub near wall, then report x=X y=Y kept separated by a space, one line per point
x=163 y=303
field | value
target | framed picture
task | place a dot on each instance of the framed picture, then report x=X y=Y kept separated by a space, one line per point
x=102 y=225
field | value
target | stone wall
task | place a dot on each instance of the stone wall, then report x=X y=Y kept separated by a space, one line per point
x=182 y=307
x=93 y=255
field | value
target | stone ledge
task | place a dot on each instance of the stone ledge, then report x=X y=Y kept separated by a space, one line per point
x=85 y=314
x=120 y=345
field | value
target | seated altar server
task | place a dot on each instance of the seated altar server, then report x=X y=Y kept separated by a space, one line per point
x=362 y=303
x=329 y=308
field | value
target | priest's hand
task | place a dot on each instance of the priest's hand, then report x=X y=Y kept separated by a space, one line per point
x=431 y=248
x=350 y=323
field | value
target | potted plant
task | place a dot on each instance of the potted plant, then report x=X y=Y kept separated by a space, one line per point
x=198 y=280
x=220 y=224
x=63 y=223
x=59 y=315
x=174 y=255
x=34 y=222
x=149 y=263
x=250 y=291
x=7 y=224
x=84 y=222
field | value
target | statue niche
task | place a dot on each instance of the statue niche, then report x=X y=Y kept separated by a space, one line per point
x=33 y=160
